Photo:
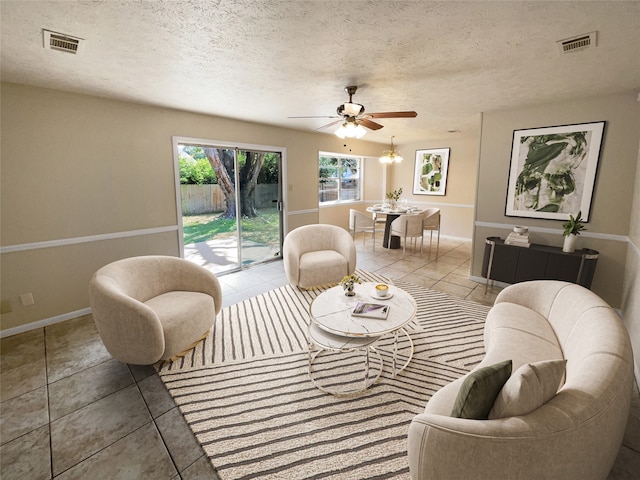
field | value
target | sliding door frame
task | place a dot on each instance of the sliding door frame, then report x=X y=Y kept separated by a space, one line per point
x=176 y=140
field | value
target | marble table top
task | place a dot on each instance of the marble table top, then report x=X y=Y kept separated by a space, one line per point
x=331 y=311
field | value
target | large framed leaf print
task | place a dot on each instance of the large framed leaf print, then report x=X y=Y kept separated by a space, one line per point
x=430 y=175
x=553 y=171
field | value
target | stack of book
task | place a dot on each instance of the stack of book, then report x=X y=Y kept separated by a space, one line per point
x=518 y=239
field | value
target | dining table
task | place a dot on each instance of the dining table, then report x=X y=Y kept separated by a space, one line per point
x=388 y=240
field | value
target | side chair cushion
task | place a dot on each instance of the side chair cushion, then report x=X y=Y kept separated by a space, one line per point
x=172 y=308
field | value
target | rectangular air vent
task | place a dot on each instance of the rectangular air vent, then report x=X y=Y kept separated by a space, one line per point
x=575 y=44
x=62 y=42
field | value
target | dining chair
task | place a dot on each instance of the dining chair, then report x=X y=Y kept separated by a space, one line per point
x=432 y=222
x=379 y=217
x=359 y=222
x=409 y=226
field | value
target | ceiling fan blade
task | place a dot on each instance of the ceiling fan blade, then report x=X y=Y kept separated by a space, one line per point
x=391 y=115
x=329 y=124
x=318 y=116
x=369 y=124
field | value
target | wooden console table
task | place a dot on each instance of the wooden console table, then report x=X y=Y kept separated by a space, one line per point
x=513 y=264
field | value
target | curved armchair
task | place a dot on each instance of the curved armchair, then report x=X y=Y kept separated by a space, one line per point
x=359 y=222
x=153 y=308
x=317 y=255
x=408 y=226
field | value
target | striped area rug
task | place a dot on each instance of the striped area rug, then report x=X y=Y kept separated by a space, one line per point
x=246 y=394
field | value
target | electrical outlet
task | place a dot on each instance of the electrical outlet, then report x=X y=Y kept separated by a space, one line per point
x=5 y=306
x=27 y=299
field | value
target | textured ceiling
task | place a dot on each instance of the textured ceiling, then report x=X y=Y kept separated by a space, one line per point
x=264 y=61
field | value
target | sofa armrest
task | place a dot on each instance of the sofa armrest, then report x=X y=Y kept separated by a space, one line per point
x=544 y=444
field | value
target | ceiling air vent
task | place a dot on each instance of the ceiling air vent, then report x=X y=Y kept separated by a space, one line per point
x=575 y=44
x=62 y=42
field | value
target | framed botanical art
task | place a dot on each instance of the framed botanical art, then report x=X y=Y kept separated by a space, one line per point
x=430 y=175
x=553 y=171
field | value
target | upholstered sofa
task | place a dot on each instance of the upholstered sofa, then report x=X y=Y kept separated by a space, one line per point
x=153 y=307
x=317 y=255
x=576 y=434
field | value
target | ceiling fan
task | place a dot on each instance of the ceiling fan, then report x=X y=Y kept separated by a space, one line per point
x=353 y=118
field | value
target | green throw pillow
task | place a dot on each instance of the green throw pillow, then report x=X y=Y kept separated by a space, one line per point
x=479 y=390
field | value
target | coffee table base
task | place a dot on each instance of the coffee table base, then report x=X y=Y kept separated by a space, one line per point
x=341 y=381
x=409 y=356
x=345 y=382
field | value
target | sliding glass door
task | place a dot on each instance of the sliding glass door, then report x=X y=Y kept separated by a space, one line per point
x=230 y=202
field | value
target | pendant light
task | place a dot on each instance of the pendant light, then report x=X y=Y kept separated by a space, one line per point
x=390 y=156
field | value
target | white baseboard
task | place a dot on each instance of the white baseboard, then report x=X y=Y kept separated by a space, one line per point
x=450 y=237
x=44 y=323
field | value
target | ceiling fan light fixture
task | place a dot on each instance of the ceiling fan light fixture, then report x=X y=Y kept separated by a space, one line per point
x=350 y=129
x=360 y=131
x=390 y=156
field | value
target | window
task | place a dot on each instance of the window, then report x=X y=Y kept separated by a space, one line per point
x=339 y=178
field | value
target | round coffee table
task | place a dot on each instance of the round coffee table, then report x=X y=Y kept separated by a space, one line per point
x=333 y=328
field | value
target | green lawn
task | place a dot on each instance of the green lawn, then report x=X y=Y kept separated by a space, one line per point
x=263 y=229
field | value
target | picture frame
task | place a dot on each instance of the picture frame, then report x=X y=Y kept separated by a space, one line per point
x=430 y=173
x=553 y=171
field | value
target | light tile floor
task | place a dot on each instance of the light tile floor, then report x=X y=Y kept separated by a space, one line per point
x=70 y=411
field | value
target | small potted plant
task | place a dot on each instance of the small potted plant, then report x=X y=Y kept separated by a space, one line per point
x=348 y=283
x=572 y=229
x=393 y=197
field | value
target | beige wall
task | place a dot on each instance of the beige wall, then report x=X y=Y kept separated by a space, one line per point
x=631 y=288
x=457 y=206
x=76 y=166
x=608 y=225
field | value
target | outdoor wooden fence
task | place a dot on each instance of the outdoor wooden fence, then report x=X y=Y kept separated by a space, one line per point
x=202 y=199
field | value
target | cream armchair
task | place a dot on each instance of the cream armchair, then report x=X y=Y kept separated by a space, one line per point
x=317 y=255
x=153 y=308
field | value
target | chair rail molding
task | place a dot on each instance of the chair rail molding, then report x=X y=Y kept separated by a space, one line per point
x=90 y=238
x=603 y=236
